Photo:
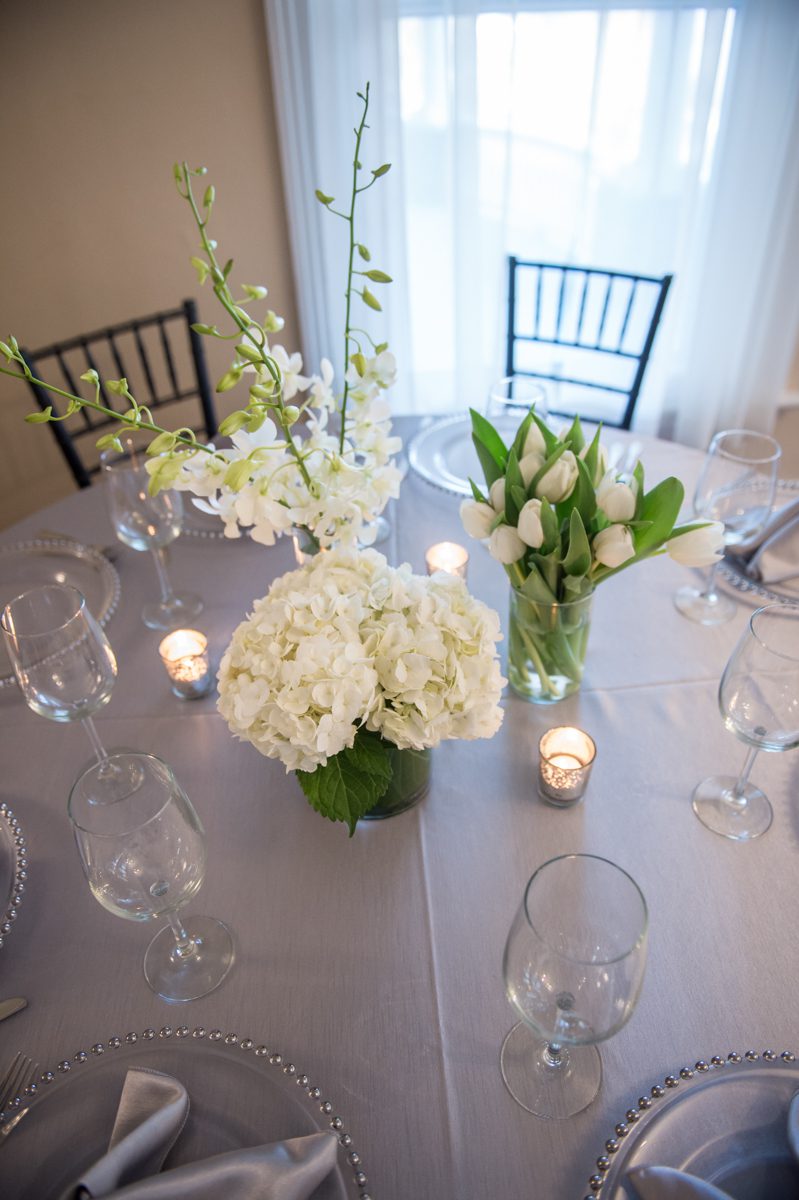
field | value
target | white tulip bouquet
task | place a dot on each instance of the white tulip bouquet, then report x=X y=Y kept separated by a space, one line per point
x=347 y=660
x=560 y=521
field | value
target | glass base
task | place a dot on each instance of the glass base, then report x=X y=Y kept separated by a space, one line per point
x=715 y=804
x=381 y=527
x=706 y=608
x=542 y=1086
x=115 y=779
x=535 y=690
x=178 y=613
x=179 y=979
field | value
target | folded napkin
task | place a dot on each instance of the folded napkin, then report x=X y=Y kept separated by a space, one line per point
x=664 y=1183
x=152 y=1112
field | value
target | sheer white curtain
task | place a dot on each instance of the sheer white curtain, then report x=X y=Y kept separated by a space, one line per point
x=651 y=136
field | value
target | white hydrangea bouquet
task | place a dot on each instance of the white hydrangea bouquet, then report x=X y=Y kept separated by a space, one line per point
x=347 y=661
x=561 y=522
x=302 y=455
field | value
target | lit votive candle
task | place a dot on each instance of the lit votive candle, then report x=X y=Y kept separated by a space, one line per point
x=566 y=756
x=184 y=653
x=449 y=557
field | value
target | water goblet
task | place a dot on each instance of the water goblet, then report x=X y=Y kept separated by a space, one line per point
x=573 y=966
x=759 y=701
x=144 y=858
x=736 y=486
x=510 y=399
x=146 y=522
x=63 y=662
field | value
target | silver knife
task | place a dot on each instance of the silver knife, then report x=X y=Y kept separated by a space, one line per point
x=9 y=1007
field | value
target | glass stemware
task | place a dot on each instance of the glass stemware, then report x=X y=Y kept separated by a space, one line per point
x=513 y=397
x=63 y=662
x=737 y=487
x=146 y=522
x=144 y=857
x=573 y=966
x=759 y=701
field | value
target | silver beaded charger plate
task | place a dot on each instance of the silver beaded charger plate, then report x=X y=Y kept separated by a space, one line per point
x=30 y=564
x=444 y=455
x=242 y=1092
x=724 y=1121
x=13 y=869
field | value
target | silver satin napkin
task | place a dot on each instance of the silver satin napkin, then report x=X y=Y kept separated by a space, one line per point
x=152 y=1112
x=665 y=1183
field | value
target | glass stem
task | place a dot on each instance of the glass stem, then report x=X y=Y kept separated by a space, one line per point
x=738 y=791
x=554 y=1055
x=709 y=590
x=186 y=946
x=94 y=737
x=159 y=556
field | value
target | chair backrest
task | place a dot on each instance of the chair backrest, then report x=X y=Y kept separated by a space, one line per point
x=588 y=331
x=161 y=357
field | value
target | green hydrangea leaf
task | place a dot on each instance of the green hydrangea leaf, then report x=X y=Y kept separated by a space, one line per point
x=351 y=782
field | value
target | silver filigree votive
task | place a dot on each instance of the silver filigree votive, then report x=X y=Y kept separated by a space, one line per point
x=566 y=755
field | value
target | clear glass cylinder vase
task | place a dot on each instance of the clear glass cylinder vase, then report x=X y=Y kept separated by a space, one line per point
x=410 y=780
x=546 y=647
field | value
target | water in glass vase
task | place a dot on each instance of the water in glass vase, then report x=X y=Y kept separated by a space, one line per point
x=547 y=644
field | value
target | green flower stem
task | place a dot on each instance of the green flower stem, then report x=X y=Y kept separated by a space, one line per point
x=517 y=630
x=350 y=219
x=222 y=293
x=132 y=422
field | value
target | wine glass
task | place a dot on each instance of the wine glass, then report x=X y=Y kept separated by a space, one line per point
x=63 y=662
x=147 y=522
x=759 y=701
x=573 y=966
x=144 y=858
x=510 y=399
x=736 y=487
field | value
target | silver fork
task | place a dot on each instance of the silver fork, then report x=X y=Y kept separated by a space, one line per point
x=21 y=1075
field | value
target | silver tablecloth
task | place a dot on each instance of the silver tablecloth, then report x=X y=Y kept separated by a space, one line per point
x=374 y=963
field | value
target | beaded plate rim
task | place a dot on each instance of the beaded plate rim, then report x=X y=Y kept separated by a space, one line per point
x=78 y=550
x=647 y=1103
x=350 y=1161
x=11 y=828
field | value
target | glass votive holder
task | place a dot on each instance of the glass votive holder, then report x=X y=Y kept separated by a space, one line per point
x=566 y=756
x=448 y=557
x=184 y=653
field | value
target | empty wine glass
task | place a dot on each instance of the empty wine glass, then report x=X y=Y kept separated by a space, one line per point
x=63 y=662
x=759 y=701
x=144 y=858
x=736 y=487
x=510 y=399
x=147 y=522
x=573 y=966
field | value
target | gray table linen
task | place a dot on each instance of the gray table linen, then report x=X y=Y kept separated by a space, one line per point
x=153 y=1109
x=374 y=964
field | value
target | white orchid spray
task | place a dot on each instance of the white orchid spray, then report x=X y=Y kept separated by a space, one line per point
x=301 y=453
x=347 y=656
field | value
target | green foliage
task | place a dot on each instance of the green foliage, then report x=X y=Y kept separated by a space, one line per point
x=351 y=782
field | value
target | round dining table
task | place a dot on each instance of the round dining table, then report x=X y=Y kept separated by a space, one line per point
x=373 y=964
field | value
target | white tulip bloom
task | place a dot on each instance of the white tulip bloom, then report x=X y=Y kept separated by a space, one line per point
x=559 y=481
x=601 y=461
x=505 y=545
x=528 y=466
x=497 y=494
x=613 y=546
x=530 y=529
x=699 y=547
x=616 y=499
x=477 y=518
x=534 y=442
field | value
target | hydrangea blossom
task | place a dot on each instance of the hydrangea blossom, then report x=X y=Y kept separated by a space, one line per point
x=348 y=641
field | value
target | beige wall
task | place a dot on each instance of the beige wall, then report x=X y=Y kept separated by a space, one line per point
x=99 y=98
